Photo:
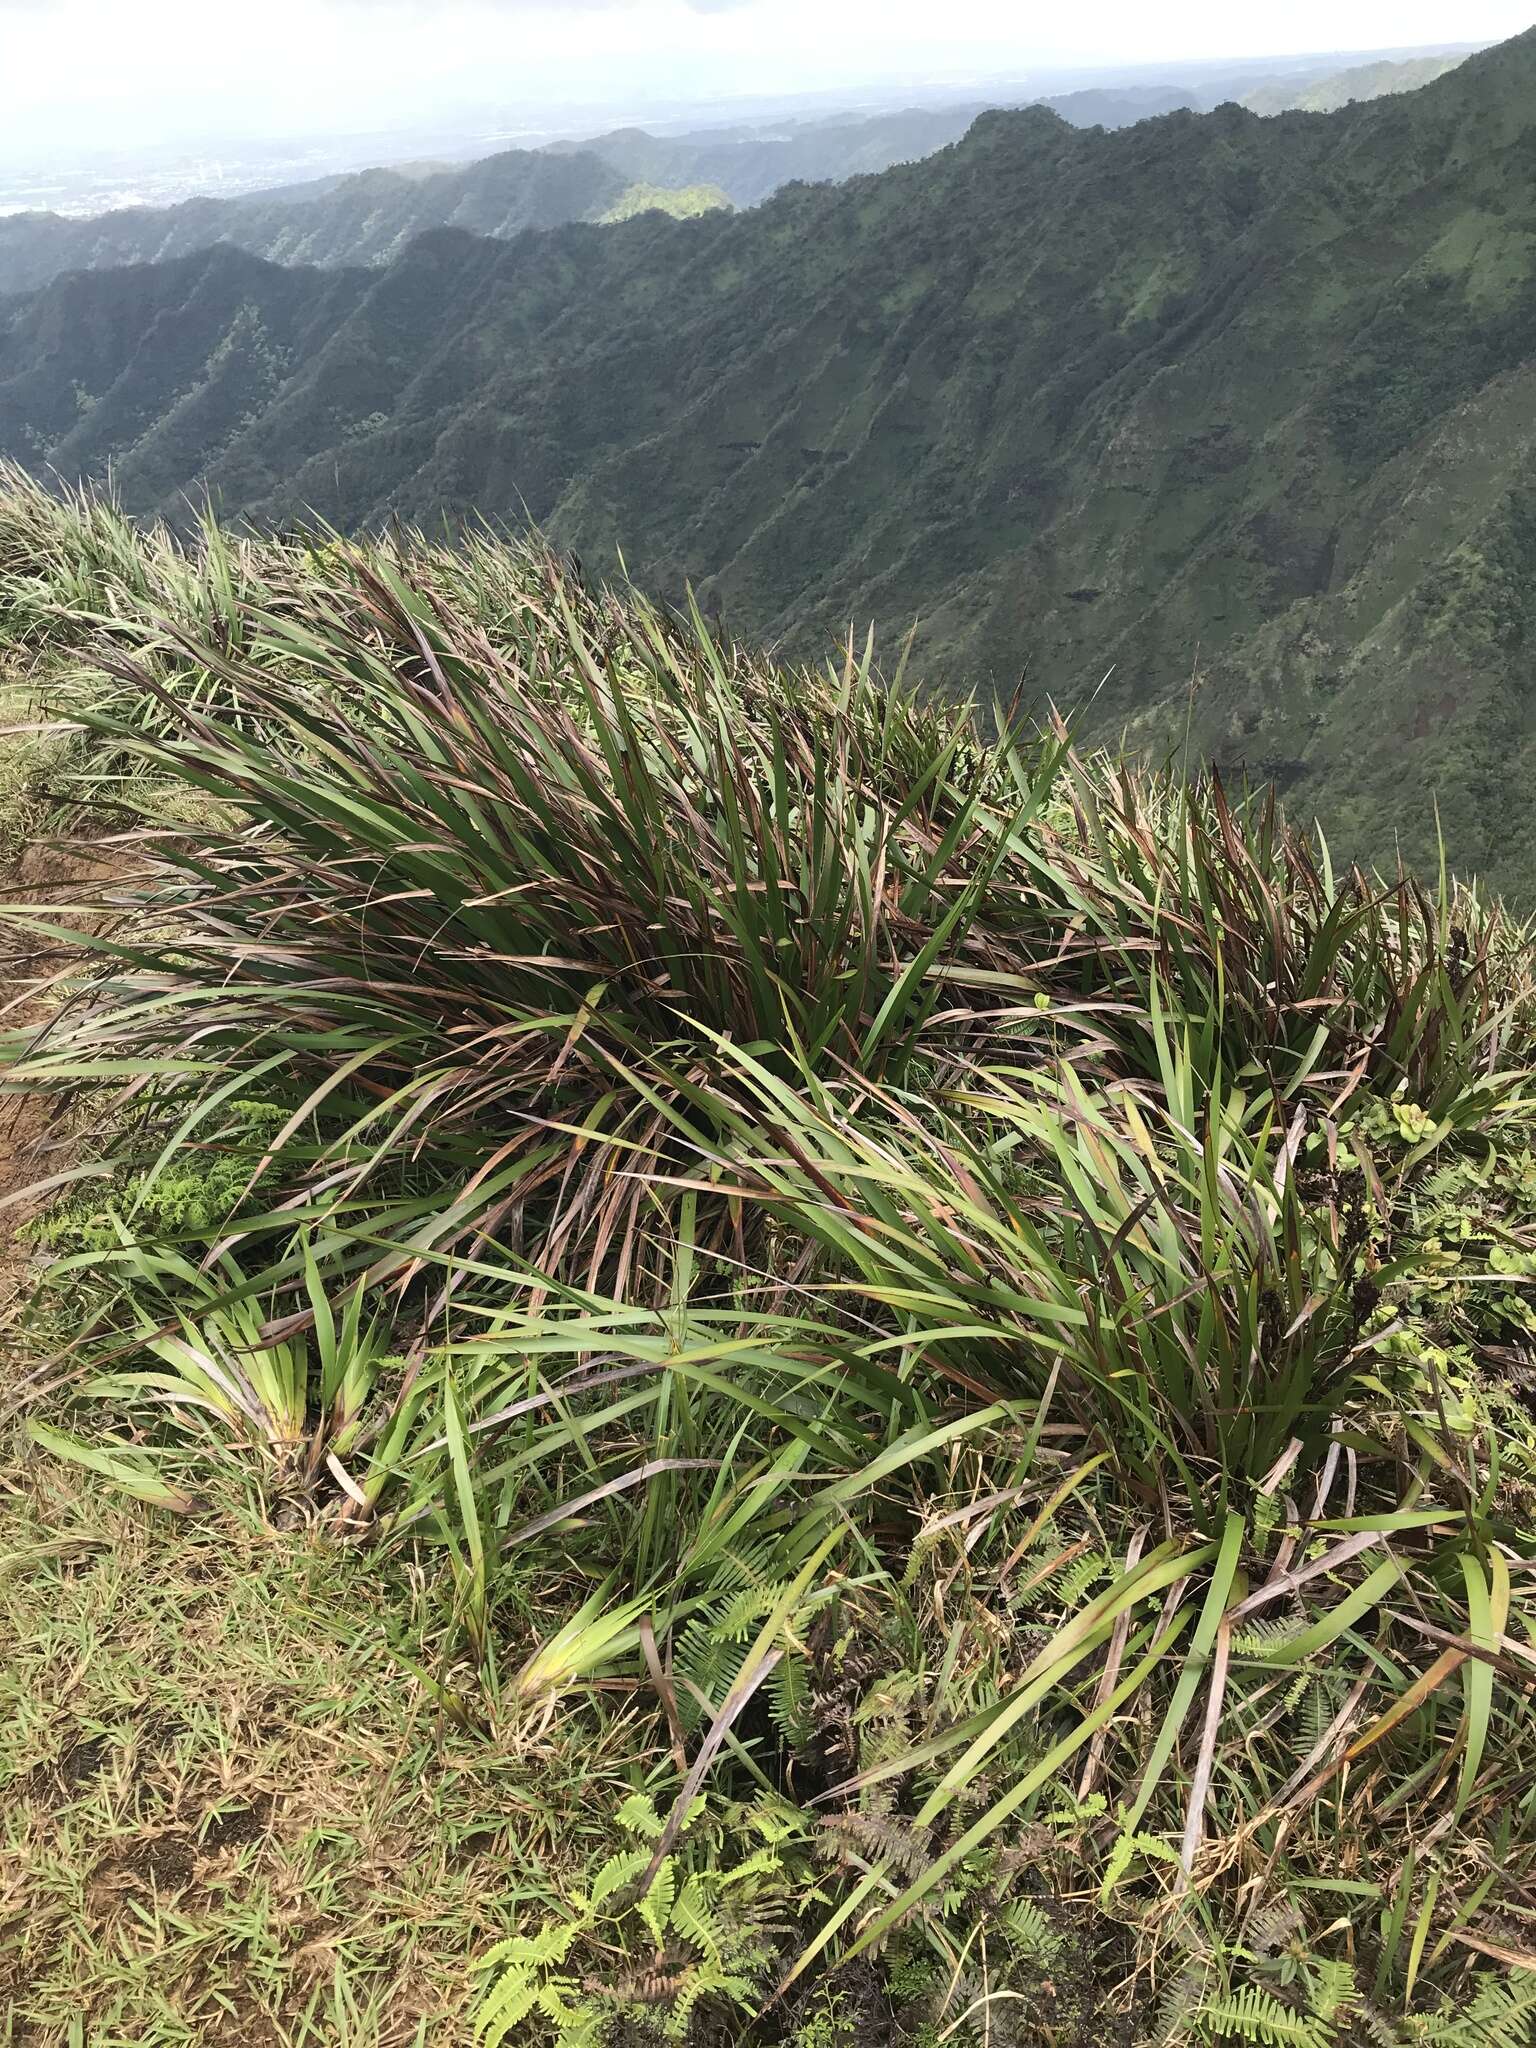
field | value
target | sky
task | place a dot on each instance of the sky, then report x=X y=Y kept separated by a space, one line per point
x=78 y=72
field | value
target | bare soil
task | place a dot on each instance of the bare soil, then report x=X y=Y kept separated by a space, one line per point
x=75 y=879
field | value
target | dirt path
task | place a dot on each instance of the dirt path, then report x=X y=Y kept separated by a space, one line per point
x=34 y=1143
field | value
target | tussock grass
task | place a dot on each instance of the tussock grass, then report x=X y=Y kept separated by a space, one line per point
x=965 y=1306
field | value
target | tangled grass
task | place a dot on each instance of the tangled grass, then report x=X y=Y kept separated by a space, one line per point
x=977 y=1301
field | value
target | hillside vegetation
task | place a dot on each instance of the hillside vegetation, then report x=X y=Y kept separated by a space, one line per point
x=922 y=1341
x=1357 y=82
x=1234 y=413
x=684 y=202
x=752 y=162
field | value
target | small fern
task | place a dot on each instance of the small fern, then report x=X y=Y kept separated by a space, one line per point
x=1182 y=2003
x=698 y=1931
x=1261 y=1637
x=1150 y=1848
x=901 y=1845
x=1253 y=2014
x=1069 y=1586
x=1273 y=1926
x=789 y=1700
x=1502 y=2014
x=1031 y=1933
x=924 y=1544
x=638 y=1816
x=1333 y=1989
x=655 y=1904
x=623 y=1869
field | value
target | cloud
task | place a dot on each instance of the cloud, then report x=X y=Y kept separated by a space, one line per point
x=549 y=8
x=83 y=74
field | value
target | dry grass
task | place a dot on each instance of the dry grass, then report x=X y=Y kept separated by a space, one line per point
x=228 y=1814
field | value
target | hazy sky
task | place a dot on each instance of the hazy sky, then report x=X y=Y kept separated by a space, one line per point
x=114 y=69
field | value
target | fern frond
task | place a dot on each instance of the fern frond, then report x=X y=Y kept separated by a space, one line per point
x=924 y=1544
x=693 y=1917
x=1374 y=2027
x=638 y=1816
x=743 y=1615
x=1320 y=1704
x=764 y=1862
x=619 y=1871
x=789 y=1702
x=1035 y=1937
x=1273 y=1926
x=1151 y=1848
x=655 y=1909
x=908 y=1848
x=649 y=1984
x=1179 y=2011
x=1069 y=1586
x=1070 y=1817
x=509 y=2003
x=1502 y=2014
x=551 y=1944
x=889 y=1701
x=1252 y=2014
x=774 y=1820
x=1333 y=1988
x=1260 y=1637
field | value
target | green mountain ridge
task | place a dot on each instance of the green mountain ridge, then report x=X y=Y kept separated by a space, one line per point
x=1357 y=82
x=368 y=217
x=753 y=163
x=1217 y=428
x=363 y=219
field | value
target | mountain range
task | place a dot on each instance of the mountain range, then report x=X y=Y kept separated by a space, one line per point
x=751 y=163
x=1220 y=430
x=1357 y=82
x=368 y=217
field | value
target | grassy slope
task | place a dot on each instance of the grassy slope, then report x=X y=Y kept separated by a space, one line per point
x=685 y=202
x=230 y=1816
x=833 y=1072
x=212 y=1786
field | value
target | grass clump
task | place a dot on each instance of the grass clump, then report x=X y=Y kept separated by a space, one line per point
x=959 y=1313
